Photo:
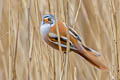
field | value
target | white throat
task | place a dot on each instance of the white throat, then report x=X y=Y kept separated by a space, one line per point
x=44 y=29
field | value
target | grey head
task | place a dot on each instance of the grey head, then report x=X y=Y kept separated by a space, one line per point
x=48 y=19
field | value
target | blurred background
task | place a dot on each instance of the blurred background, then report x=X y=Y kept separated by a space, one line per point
x=24 y=55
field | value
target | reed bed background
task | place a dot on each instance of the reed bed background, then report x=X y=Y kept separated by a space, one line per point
x=24 y=55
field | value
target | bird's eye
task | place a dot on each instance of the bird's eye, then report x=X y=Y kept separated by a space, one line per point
x=49 y=19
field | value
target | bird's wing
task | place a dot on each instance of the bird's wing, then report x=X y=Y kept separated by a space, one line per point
x=53 y=38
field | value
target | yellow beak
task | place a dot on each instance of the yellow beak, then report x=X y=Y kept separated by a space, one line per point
x=46 y=19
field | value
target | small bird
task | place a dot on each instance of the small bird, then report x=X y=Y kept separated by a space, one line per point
x=49 y=34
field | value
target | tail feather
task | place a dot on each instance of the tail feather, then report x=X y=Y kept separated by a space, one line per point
x=88 y=55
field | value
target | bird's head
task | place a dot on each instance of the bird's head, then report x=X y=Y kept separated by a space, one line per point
x=48 y=19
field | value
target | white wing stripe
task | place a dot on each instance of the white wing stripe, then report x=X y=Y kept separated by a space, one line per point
x=62 y=45
x=52 y=35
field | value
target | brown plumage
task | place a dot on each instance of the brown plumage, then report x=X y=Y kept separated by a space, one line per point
x=76 y=44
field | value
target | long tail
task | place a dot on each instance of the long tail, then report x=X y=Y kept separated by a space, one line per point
x=88 y=55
